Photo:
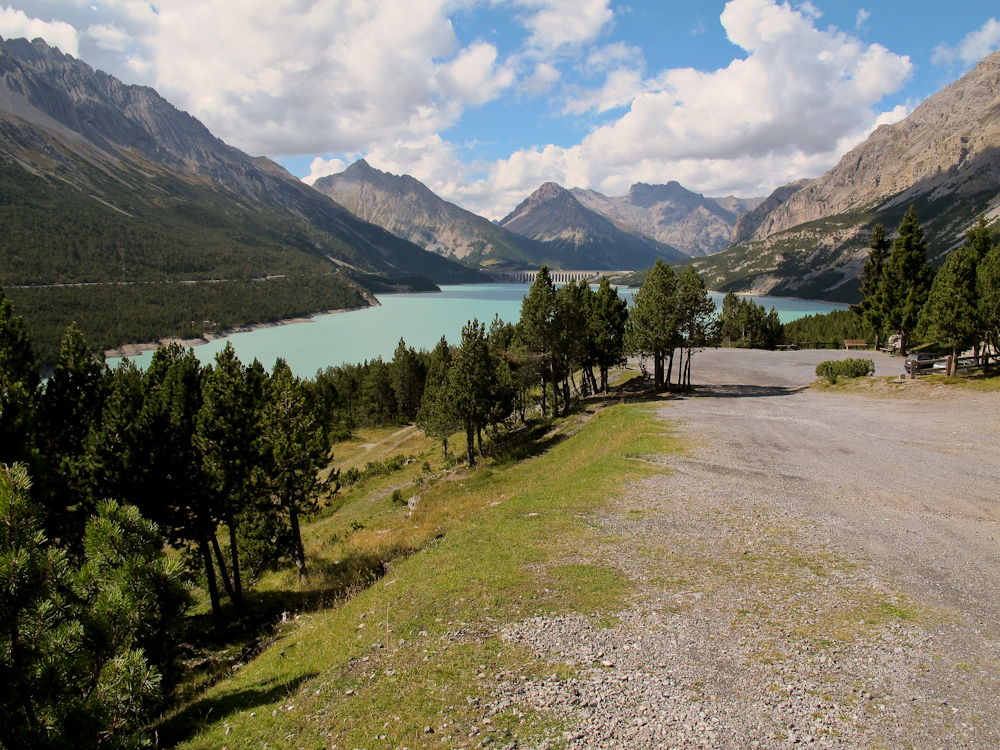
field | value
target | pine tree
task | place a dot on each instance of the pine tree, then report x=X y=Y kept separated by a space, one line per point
x=408 y=375
x=435 y=417
x=294 y=451
x=988 y=296
x=536 y=329
x=907 y=279
x=951 y=315
x=472 y=387
x=607 y=323
x=69 y=405
x=19 y=379
x=653 y=322
x=695 y=316
x=871 y=309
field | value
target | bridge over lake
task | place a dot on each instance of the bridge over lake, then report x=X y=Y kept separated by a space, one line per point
x=564 y=277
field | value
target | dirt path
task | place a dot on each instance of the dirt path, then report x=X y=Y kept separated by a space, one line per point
x=822 y=570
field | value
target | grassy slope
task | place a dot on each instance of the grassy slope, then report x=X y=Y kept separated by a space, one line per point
x=494 y=548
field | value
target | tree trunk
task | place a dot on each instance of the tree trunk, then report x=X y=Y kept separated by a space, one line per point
x=444 y=440
x=565 y=395
x=223 y=571
x=479 y=439
x=902 y=343
x=470 y=444
x=213 y=585
x=544 y=385
x=670 y=367
x=555 y=391
x=604 y=379
x=657 y=371
x=572 y=379
x=234 y=553
x=298 y=551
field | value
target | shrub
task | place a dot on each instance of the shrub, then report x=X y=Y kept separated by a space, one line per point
x=833 y=369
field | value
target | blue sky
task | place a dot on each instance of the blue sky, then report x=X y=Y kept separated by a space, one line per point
x=484 y=100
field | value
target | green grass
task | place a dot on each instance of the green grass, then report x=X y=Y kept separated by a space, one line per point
x=493 y=549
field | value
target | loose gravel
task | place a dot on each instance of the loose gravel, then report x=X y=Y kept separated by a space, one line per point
x=821 y=570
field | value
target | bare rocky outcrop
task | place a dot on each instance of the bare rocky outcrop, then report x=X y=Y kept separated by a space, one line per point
x=556 y=216
x=948 y=147
x=409 y=209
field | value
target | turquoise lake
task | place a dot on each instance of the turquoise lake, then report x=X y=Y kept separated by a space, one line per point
x=420 y=319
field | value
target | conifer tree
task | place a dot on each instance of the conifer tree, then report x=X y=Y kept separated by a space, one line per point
x=653 y=322
x=907 y=278
x=70 y=403
x=988 y=297
x=435 y=417
x=871 y=309
x=472 y=384
x=536 y=330
x=19 y=379
x=408 y=375
x=294 y=450
x=695 y=316
x=951 y=313
x=606 y=323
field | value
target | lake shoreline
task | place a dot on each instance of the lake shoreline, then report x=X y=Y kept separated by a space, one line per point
x=135 y=350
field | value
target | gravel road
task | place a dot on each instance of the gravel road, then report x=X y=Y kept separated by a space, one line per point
x=822 y=569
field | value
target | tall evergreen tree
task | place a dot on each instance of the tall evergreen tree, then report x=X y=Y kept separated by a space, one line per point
x=653 y=323
x=871 y=309
x=907 y=278
x=695 y=316
x=228 y=429
x=536 y=329
x=69 y=405
x=435 y=417
x=408 y=375
x=569 y=322
x=294 y=450
x=988 y=297
x=951 y=315
x=472 y=386
x=19 y=379
x=607 y=323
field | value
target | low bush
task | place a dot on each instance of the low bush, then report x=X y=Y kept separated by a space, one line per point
x=833 y=369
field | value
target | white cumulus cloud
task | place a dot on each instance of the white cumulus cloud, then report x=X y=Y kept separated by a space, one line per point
x=974 y=46
x=801 y=98
x=109 y=37
x=16 y=23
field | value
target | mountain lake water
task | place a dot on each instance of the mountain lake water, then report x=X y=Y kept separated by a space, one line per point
x=419 y=319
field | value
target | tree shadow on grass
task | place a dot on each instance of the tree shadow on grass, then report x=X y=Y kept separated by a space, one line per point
x=207 y=712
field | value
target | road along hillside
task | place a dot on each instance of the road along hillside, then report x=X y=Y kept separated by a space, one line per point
x=822 y=570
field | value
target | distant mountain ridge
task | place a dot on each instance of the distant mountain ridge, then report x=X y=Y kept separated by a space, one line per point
x=582 y=237
x=809 y=239
x=409 y=209
x=671 y=214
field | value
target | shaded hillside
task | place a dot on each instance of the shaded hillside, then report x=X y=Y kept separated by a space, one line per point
x=581 y=238
x=409 y=209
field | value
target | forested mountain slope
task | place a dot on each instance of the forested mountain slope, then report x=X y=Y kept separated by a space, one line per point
x=104 y=183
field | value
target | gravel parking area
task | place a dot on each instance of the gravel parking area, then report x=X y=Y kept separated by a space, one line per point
x=821 y=570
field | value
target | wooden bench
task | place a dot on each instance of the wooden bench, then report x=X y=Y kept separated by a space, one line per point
x=856 y=343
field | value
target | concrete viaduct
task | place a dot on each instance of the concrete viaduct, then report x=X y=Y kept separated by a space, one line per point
x=564 y=277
